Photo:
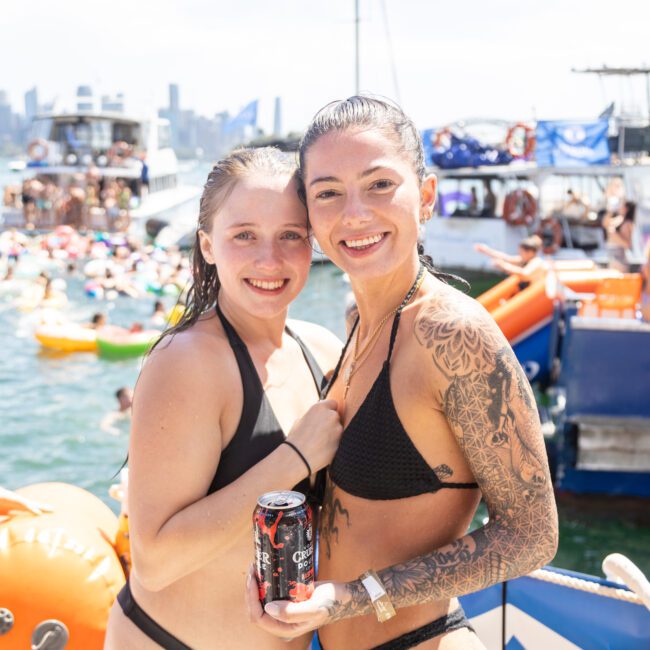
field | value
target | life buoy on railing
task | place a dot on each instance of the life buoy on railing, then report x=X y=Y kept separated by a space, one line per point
x=520 y=141
x=442 y=139
x=119 y=152
x=519 y=208
x=37 y=149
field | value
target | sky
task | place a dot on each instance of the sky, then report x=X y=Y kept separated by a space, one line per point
x=442 y=61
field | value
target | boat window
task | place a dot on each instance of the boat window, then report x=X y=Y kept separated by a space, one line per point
x=164 y=136
x=469 y=197
x=124 y=132
x=41 y=128
x=101 y=135
x=591 y=190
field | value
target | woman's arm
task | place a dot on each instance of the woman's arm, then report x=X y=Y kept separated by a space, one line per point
x=176 y=439
x=491 y=411
x=497 y=255
x=527 y=271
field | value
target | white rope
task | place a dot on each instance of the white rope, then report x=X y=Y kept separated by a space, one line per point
x=585 y=585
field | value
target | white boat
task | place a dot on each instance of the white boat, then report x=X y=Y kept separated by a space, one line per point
x=453 y=231
x=500 y=204
x=73 y=149
x=16 y=165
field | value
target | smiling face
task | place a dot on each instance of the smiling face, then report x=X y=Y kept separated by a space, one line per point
x=259 y=243
x=365 y=200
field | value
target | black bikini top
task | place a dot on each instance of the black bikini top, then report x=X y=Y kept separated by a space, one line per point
x=376 y=458
x=259 y=431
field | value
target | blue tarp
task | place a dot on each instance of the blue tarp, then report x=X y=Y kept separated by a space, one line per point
x=462 y=152
x=572 y=144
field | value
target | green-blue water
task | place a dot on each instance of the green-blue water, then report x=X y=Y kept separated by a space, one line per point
x=52 y=406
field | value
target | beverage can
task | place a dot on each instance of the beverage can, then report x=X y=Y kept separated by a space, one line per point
x=284 y=546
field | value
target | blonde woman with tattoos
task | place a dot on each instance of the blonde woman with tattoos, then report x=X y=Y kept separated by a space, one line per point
x=437 y=413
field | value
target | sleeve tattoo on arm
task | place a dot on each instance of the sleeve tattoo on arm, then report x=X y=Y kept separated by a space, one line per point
x=491 y=411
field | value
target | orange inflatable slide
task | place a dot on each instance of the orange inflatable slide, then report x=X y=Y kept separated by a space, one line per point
x=517 y=312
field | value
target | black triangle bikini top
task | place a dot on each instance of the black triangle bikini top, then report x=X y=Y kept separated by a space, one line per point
x=376 y=458
x=259 y=431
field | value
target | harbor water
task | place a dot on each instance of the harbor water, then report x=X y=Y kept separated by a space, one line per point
x=54 y=408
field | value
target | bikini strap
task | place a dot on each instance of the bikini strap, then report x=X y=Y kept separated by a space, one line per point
x=398 y=313
x=314 y=368
x=233 y=338
x=253 y=391
x=393 y=334
x=337 y=369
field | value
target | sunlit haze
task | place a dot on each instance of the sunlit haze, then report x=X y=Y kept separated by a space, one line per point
x=502 y=59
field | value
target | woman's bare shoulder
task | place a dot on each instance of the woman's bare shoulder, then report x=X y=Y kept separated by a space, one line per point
x=456 y=328
x=191 y=357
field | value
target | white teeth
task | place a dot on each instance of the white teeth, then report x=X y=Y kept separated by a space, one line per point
x=366 y=241
x=266 y=285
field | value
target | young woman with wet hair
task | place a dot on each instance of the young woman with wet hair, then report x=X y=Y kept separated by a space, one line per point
x=436 y=411
x=210 y=411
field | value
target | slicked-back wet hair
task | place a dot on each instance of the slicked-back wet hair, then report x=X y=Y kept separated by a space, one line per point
x=361 y=111
x=364 y=112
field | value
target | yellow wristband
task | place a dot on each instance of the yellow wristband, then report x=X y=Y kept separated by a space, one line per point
x=378 y=596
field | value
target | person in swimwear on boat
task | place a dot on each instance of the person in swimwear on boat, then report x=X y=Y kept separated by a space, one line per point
x=528 y=264
x=215 y=402
x=437 y=412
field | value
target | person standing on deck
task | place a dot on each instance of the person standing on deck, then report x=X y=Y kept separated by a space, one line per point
x=226 y=408
x=437 y=412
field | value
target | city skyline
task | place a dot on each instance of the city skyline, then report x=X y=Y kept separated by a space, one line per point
x=507 y=60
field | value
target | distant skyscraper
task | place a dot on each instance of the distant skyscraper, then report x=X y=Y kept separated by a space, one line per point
x=31 y=104
x=85 y=100
x=6 y=118
x=174 y=104
x=277 y=121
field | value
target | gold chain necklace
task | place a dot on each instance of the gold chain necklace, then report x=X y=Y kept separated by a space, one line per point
x=359 y=356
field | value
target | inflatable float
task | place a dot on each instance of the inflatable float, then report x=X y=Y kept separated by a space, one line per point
x=120 y=343
x=59 y=569
x=67 y=337
x=525 y=315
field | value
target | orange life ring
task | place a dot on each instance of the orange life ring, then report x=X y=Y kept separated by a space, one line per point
x=120 y=151
x=443 y=134
x=519 y=208
x=37 y=149
x=517 y=148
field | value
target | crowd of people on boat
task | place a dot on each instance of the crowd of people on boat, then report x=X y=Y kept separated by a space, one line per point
x=87 y=201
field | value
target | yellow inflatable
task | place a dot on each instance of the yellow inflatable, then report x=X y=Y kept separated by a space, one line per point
x=67 y=337
x=59 y=572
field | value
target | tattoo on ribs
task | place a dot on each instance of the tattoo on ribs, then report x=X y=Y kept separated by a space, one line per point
x=331 y=514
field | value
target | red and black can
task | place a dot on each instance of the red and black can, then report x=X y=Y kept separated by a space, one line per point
x=284 y=547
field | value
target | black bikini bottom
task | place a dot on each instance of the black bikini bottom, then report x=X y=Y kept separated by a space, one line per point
x=144 y=622
x=446 y=623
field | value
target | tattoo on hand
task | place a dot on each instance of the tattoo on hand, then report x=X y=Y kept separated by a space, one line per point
x=356 y=603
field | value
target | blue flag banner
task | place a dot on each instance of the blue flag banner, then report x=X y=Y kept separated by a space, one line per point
x=572 y=144
x=246 y=117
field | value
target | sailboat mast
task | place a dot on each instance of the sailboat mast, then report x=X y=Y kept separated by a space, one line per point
x=356 y=47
